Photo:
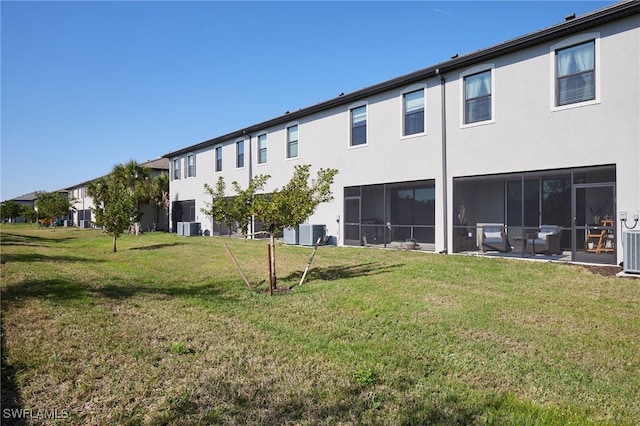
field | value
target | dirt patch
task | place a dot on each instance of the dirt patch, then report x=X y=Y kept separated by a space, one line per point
x=604 y=270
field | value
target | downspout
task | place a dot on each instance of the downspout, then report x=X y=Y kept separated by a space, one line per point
x=250 y=170
x=445 y=214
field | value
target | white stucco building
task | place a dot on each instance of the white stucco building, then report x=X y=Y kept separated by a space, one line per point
x=540 y=130
x=83 y=214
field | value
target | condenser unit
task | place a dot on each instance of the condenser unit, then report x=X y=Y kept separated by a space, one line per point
x=631 y=252
x=309 y=234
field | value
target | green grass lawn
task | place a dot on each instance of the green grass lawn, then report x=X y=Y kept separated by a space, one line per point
x=165 y=331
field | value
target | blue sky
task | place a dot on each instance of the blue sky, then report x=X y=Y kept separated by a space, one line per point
x=86 y=85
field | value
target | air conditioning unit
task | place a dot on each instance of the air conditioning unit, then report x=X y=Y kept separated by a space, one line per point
x=188 y=229
x=309 y=234
x=85 y=224
x=631 y=252
x=290 y=236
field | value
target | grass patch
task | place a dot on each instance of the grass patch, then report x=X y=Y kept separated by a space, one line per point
x=165 y=331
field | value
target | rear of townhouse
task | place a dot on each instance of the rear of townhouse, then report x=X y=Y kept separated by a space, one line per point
x=83 y=212
x=540 y=130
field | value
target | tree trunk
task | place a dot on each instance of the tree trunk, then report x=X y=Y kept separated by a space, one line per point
x=114 y=244
x=273 y=260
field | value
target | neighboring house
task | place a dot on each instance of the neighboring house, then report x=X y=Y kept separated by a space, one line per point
x=84 y=206
x=25 y=200
x=541 y=129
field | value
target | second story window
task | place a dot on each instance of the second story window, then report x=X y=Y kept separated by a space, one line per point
x=292 y=141
x=262 y=149
x=575 y=73
x=218 y=159
x=240 y=154
x=477 y=97
x=359 y=126
x=191 y=165
x=176 y=168
x=414 y=112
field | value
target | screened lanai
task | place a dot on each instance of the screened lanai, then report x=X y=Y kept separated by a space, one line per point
x=577 y=204
x=391 y=215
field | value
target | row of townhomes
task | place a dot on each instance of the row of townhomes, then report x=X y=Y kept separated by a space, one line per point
x=539 y=134
x=153 y=216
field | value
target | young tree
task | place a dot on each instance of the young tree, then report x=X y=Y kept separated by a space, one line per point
x=118 y=197
x=288 y=207
x=137 y=180
x=237 y=210
x=9 y=210
x=29 y=214
x=51 y=205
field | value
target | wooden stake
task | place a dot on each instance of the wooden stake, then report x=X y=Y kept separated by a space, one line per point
x=310 y=260
x=270 y=272
x=237 y=266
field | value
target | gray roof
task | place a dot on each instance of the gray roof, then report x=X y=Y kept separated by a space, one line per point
x=157 y=164
x=570 y=26
x=27 y=197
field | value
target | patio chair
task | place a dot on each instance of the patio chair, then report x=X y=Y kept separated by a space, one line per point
x=546 y=240
x=494 y=238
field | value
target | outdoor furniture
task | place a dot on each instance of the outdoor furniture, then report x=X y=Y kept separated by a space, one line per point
x=494 y=238
x=546 y=240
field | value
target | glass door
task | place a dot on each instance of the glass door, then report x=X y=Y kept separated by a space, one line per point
x=594 y=229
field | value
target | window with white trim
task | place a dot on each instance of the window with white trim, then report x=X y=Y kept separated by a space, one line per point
x=292 y=141
x=359 y=125
x=413 y=112
x=262 y=149
x=240 y=154
x=176 y=168
x=218 y=159
x=575 y=74
x=477 y=97
x=191 y=165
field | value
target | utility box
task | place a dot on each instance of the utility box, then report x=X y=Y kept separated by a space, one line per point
x=290 y=236
x=85 y=224
x=309 y=234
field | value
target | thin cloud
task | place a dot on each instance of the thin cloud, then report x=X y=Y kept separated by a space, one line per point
x=444 y=12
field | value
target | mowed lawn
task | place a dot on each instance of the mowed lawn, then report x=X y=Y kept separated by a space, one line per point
x=165 y=331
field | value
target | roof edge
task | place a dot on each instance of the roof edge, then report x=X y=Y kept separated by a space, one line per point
x=601 y=16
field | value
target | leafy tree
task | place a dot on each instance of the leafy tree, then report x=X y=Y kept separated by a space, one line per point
x=118 y=197
x=160 y=196
x=235 y=211
x=9 y=210
x=287 y=207
x=52 y=205
x=29 y=214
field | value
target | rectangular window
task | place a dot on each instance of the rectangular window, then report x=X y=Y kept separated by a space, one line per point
x=359 y=126
x=191 y=164
x=262 y=149
x=414 y=112
x=575 y=71
x=292 y=141
x=176 y=168
x=219 y=159
x=240 y=154
x=477 y=97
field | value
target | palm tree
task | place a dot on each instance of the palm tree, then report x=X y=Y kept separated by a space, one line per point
x=138 y=179
x=160 y=197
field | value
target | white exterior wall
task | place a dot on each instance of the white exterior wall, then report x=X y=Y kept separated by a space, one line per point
x=324 y=142
x=526 y=133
